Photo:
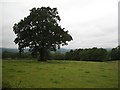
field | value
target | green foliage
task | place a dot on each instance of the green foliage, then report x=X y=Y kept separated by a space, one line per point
x=93 y=54
x=40 y=32
x=15 y=55
x=59 y=74
x=27 y=55
x=57 y=56
x=115 y=53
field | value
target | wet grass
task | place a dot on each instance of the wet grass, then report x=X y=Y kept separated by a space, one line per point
x=60 y=74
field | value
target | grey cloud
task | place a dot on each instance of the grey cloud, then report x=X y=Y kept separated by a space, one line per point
x=88 y=23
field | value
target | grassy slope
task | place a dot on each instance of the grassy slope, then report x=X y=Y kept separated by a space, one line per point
x=60 y=74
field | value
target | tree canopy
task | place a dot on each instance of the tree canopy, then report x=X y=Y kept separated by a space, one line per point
x=91 y=54
x=115 y=53
x=41 y=32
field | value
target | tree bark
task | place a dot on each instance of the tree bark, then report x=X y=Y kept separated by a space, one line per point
x=42 y=56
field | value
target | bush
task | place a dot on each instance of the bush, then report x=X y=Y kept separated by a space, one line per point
x=56 y=56
x=15 y=55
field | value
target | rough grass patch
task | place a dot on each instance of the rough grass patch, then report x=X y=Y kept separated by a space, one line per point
x=6 y=84
x=87 y=72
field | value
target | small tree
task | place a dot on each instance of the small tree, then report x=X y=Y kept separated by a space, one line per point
x=40 y=32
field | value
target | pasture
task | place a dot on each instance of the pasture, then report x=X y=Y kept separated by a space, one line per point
x=59 y=74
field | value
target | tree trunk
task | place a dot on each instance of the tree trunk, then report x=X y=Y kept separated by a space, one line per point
x=42 y=56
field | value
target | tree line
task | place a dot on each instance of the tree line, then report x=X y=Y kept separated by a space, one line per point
x=91 y=54
x=94 y=54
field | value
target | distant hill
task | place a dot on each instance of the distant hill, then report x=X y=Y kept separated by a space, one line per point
x=62 y=50
x=9 y=49
x=108 y=49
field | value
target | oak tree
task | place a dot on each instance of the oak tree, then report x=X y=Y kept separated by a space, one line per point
x=41 y=32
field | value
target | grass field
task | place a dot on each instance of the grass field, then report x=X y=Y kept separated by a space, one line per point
x=59 y=74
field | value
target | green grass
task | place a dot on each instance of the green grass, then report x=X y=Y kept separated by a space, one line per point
x=59 y=74
x=0 y=73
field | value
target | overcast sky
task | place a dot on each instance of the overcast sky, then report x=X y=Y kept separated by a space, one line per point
x=91 y=23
